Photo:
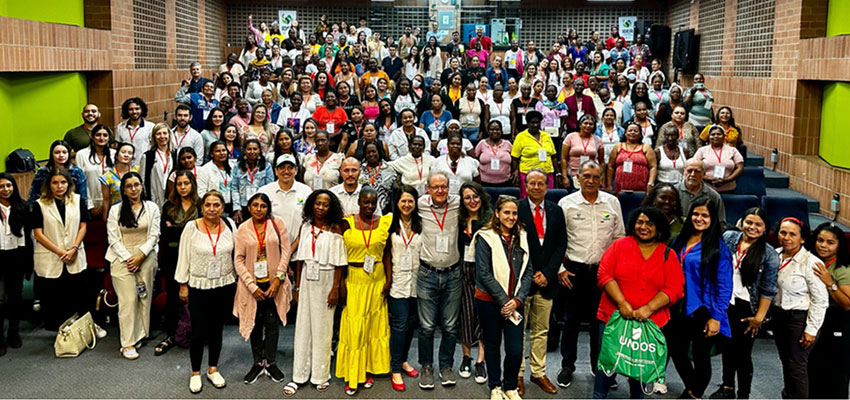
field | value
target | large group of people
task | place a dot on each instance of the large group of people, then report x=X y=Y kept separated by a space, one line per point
x=352 y=176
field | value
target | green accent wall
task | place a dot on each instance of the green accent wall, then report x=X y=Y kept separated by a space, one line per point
x=38 y=108
x=69 y=12
x=834 y=140
x=838 y=18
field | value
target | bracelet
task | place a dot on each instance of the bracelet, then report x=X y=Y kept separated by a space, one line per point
x=280 y=276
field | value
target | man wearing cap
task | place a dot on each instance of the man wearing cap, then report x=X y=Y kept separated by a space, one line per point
x=286 y=194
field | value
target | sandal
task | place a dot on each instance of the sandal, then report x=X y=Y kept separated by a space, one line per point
x=369 y=383
x=290 y=389
x=349 y=391
x=323 y=387
x=163 y=346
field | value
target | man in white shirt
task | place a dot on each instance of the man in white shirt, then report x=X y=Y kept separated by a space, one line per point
x=364 y=28
x=287 y=195
x=513 y=58
x=184 y=136
x=134 y=129
x=348 y=192
x=606 y=101
x=594 y=221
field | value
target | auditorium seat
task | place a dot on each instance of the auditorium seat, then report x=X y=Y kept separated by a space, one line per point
x=751 y=182
x=555 y=195
x=495 y=192
x=778 y=207
x=736 y=205
x=630 y=201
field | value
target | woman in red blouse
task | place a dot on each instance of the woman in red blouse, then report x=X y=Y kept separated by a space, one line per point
x=331 y=117
x=641 y=278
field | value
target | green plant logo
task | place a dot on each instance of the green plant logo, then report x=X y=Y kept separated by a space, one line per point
x=627 y=23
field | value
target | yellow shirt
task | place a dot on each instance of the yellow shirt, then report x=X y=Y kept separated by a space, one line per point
x=455 y=94
x=314 y=49
x=526 y=149
x=732 y=136
x=355 y=239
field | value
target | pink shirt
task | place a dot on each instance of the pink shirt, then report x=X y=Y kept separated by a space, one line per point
x=487 y=153
x=582 y=147
x=727 y=157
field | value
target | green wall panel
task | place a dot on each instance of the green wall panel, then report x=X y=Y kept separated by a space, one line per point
x=38 y=108
x=838 y=18
x=834 y=140
x=69 y=12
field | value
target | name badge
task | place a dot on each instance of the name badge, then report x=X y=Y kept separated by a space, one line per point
x=312 y=273
x=406 y=263
x=250 y=191
x=719 y=171
x=542 y=155
x=206 y=114
x=523 y=119
x=226 y=194
x=494 y=164
x=454 y=186
x=443 y=244
x=317 y=182
x=435 y=135
x=627 y=166
x=261 y=270
x=369 y=264
x=468 y=254
x=582 y=159
x=552 y=131
x=330 y=127
x=470 y=119
x=214 y=270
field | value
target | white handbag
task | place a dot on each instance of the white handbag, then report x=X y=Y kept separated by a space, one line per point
x=75 y=335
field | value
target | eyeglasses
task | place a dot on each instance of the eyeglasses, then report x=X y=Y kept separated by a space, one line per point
x=439 y=187
x=472 y=197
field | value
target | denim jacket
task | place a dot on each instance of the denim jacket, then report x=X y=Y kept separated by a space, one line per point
x=243 y=188
x=767 y=273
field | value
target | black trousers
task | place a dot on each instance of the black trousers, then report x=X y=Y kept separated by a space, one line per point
x=11 y=288
x=266 y=321
x=493 y=326
x=209 y=310
x=582 y=301
x=173 y=305
x=829 y=363
x=788 y=328
x=62 y=297
x=738 y=350
x=684 y=333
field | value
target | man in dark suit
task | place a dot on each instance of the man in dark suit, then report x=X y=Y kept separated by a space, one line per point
x=547 y=241
x=578 y=105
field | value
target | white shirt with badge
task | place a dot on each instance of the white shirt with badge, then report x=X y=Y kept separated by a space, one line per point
x=465 y=171
x=319 y=250
x=8 y=241
x=406 y=247
x=205 y=257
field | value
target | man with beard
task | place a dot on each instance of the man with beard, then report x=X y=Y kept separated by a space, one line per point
x=134 y=129
x=80 y=137
x=200 y=103
x=184 y=135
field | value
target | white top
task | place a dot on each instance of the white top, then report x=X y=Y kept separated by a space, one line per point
x=254 y=93
x=286 y=114
x=330 y=248
x=739 y=290
x=591 y=228
x=311 y=103
x=287 y=204
x=405 y=263
x=350 y=201
x=150 y=217
x=326 y=171
x=443 y=146
x=93 y=170
x=466 y=171
x=502 y=113
x=191 y=138
x=670 y=171
x=196 y=263
x=210 y=178
x=609 y=140
x=413 y=171
x=616 y=105
x=397 y=142
x=139 y=136
x=800 y=289
x=8 y=241
x=403 y=102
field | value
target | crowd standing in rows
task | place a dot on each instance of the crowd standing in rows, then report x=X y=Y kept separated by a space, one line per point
x=345 y=172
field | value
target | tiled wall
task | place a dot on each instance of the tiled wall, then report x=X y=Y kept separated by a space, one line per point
x=149 y=34
x=775 y=96
x=186 y=16
x=542 y=25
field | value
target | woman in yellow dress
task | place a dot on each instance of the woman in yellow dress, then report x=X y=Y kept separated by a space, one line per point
x=364 y=330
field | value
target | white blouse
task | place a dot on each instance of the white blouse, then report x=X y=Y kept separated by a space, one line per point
x=800 y=289
x=93 y=170
x=466 y=171
x=201 y=262
x=329 y=248
x=405 y=263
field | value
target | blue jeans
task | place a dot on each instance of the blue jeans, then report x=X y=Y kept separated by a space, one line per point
x=439 y=297
x=471 y=134
x=403 y=318
x=492 y=327
x=602 y=383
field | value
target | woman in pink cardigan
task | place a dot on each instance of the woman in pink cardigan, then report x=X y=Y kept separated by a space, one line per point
x=263 y=292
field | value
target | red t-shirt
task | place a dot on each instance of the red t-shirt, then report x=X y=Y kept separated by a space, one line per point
x=611 y=42
x=639 y=280
x=323 y=116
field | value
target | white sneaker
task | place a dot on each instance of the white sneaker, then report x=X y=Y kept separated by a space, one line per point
x=660 y=388
x=195 y=384
x=130 y=353
x=512 y=395
x=99 y=332
x=216 y=379
x=497 y=394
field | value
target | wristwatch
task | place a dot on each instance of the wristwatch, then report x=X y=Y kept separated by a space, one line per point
x=834 y=287
x=280 y=276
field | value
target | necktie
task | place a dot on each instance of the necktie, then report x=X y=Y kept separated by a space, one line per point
x=538 y=221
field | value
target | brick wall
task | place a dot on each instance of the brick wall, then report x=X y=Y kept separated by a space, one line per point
x=775 y=91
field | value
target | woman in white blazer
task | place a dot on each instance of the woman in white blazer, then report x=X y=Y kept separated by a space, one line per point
x=133 y=232
x=215 y=176
x=59 y=224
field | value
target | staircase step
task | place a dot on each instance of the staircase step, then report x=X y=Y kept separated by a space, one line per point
x=814 y=205
x=754 y=160
x=774 y=179
x=817 y=219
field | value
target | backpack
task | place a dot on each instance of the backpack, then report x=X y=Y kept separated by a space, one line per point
x=19 y=161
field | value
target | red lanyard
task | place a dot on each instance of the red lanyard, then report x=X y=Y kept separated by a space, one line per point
x=407 y=241
x=681 y=133
x=103 y=161
x=377 y=173
x=250 y=176
x=718 y=155
x=830 y=262
x=493 y=149
x=164 y=160
x=525 y=109
x=357 y=131
x=319 y=165
x=315 y=237
x=3 y=216
x=610 y=134
x=418 y=168
x=785 y=264
x=195 y=171
x=437 y=120
x=133 y=134
x=688 y=250
x=180 y=142
x=585 y=144
x=261 y=240
x=446 y=211
x=673 y=160
x=659 y=94
x=214 y=245
x=469 y=107
x=223 y=176
x=362 y=231
x=499 y=106
x=739 y=256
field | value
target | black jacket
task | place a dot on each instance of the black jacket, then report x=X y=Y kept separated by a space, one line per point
x=548 y=257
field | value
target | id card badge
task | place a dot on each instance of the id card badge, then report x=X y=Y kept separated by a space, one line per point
x=523 y=119
x=708 y=104
x=582 y=159
x=226 y=194
x=406 y=263
x=250 y=191
x=435 y=135
x=470 y=119
x=369 y=264
x=330 y=127
x=627 y=166
x=312 y=273
x=443 y=244
x=495 y=164
x=261 y=270
x=317 y=182
x=206 y=114
x=214 y=270
x=468 y=254
x=454 y=186
x=552 y=131
x=542 y=155
x=719 y=171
